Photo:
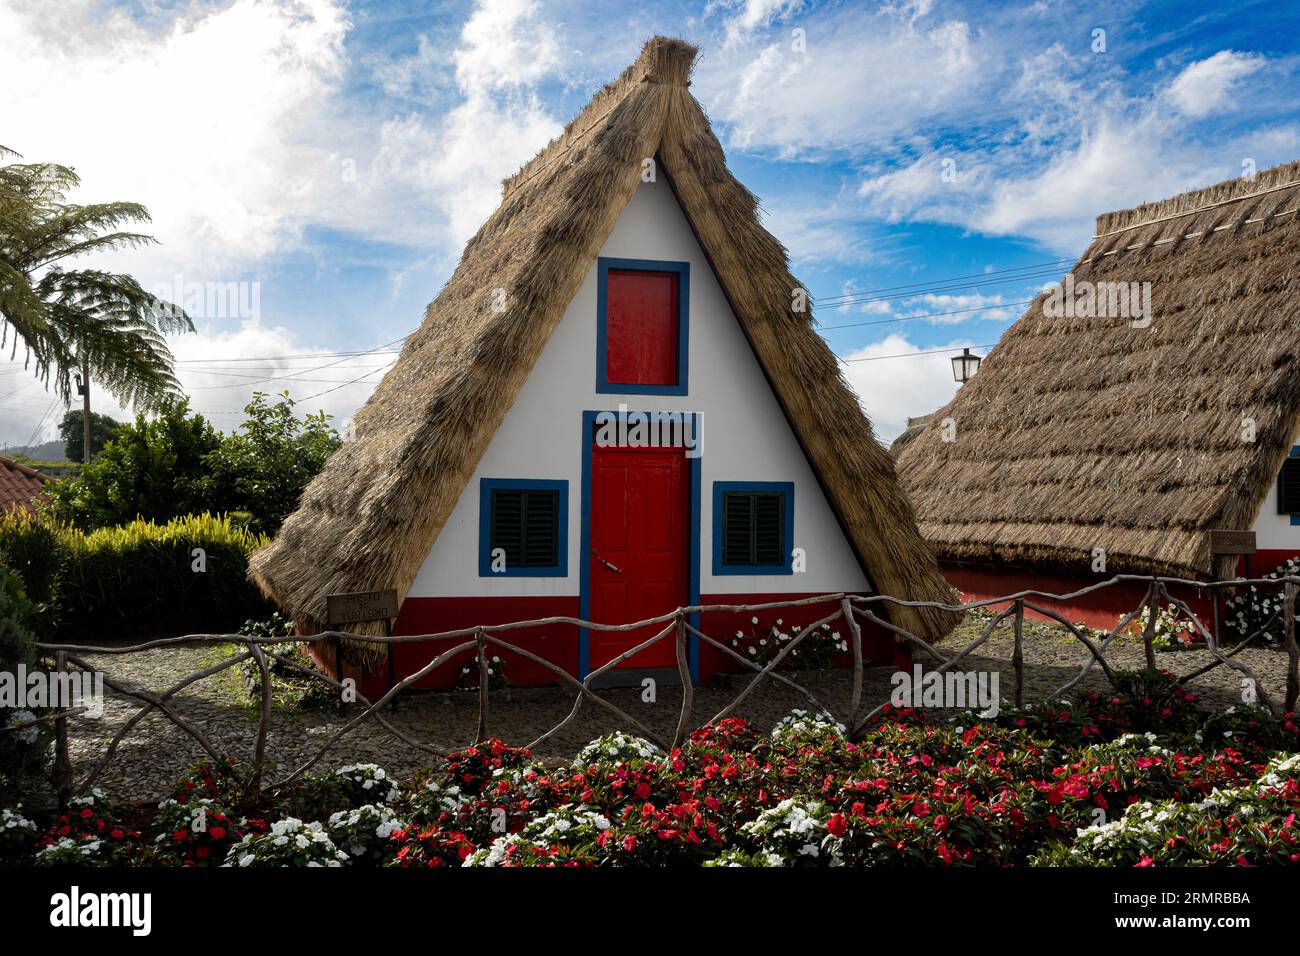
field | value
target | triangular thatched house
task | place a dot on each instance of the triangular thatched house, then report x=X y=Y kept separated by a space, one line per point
x=1149 y=399
x=624 y=269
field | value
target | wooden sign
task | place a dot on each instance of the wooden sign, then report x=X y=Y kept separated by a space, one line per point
x=360 y=606
x=1232 y=542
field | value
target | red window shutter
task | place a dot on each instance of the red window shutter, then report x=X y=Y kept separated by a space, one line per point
x=641 y=328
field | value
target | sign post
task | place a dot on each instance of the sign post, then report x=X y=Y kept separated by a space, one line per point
x=360 y=607
x=1240 y=543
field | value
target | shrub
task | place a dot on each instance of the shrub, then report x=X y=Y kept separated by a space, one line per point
x=365 y=833
x=1257 y=609
x=289 y=687
x=468 y=676
x=143 y=578
x=1244 y=826
x=17 y=833
x=89 y=833
x=17 y=637
x=1173 y=628
x=138 y=579
x=316 y=796
x=474 y=768
x=289 y=842
x=198 y=832
x=175 y=463
x=23 y=753
x=794 y=831
x=205 y=780
x=31 y=548
x=817 y=650
x=614 y=748
x=430 y=847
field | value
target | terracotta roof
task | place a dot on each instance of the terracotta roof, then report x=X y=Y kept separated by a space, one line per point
x=19 y=484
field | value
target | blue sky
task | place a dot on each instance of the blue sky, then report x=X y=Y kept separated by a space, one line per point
x=329 y=159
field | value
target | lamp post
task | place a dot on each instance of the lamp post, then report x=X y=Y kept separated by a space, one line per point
x=965 y=366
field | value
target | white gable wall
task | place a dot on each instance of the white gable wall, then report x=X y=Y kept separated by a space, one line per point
x=1275 y=532
x=744 y=434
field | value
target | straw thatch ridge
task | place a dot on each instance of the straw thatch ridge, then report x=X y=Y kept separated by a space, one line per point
x=1082 y=433
x=369 y=519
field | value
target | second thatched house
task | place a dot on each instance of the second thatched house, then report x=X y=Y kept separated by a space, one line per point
x=616 y=406
x=1137 y=410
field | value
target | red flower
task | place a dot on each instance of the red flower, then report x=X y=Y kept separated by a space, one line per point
x=836 y=825
x=629 y=842
x=1145 y=861
x=218 y=833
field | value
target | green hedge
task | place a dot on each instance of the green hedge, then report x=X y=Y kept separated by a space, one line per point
x=137 y=580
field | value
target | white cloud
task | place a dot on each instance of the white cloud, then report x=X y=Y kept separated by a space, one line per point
x=217 y=389
x=752 y=15
x=1205 y=86
x=1081 y=149
x=433 y=180
x=234 y=126
x=862 y=78
x=200 y=121
x=893 y=389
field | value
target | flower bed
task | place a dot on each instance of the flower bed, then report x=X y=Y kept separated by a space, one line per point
x=1137 y=777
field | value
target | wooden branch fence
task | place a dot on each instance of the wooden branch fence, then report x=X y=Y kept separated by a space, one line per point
x=677 y=627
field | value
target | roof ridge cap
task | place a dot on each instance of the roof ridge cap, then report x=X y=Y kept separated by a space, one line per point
x=1193 y=201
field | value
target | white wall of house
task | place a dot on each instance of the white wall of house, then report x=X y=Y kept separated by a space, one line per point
x=1275 y=532
x=745 y=436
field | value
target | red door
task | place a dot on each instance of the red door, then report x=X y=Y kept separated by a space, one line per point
x=640 y=510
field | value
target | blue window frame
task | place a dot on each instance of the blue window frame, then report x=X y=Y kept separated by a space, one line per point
x=753 y=527
x=683 y=272
x=528 y=520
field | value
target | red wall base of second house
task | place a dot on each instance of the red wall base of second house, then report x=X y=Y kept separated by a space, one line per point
x=559 y=643
x=1101 y=609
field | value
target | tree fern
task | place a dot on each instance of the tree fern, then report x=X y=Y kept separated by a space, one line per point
x=66 y=318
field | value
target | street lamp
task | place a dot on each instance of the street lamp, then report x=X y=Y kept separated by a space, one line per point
x=965 y=366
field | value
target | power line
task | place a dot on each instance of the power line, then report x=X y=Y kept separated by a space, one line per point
x=322 y=381
x=41 y=423
x=929 y=315
x=337 y=387
x=377 y=350
x=877 y=358
x=279 y=378
x=937 y=289
x=928 y=282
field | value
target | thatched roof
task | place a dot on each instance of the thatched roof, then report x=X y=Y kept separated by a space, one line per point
x=369 y=519
x=1080 y=433
x=915 y=425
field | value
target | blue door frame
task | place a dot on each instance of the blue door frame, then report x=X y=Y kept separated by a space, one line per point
x=693 y=569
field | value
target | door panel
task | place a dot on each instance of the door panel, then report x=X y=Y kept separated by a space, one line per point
x=639 y=548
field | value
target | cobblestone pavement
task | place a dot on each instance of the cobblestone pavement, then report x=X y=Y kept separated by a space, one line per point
x=156 y=751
